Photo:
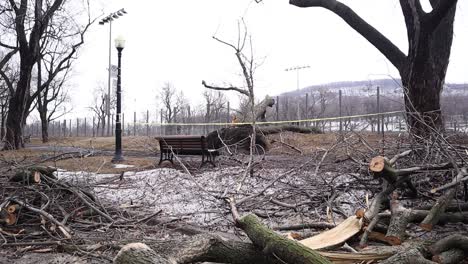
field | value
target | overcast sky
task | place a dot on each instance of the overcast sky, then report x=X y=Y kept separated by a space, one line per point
x=171 y=41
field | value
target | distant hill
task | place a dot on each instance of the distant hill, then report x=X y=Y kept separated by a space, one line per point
x=363 y=88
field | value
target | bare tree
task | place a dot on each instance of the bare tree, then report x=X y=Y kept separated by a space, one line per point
x=173 y=101
x=248 y=66
x=99 y=107
x=424 y=68
x=58 y=51
x=215 y=102
x=30 y=23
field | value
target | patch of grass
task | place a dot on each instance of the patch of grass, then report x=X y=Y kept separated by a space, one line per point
x=102 y=143
x=103 y=164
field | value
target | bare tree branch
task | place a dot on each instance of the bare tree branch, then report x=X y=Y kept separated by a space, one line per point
x=239 y=90
x=383 y=44
x=439 y=12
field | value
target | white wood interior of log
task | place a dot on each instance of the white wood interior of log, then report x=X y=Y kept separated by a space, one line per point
x=335 y=236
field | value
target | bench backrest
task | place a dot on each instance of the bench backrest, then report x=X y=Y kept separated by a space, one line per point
x=182 y=143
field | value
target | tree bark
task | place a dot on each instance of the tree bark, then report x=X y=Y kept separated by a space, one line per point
x=424 y=78
x=14 y=124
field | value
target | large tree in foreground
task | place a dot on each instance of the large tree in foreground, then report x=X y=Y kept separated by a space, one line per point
x=423 y=69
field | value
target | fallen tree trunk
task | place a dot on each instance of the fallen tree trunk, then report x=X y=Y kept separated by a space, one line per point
x=198 y=248
x=240 y=135
x=272 y=244
x=268 y=130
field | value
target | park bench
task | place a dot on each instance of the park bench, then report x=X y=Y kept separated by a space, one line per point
x=186 y=145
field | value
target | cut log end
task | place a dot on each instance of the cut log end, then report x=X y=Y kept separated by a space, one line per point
x=393 y=240
x=12 y=208
x=377 y=164
x=426 y=227
x=360 y=213
x=10 y=219
x=36 y=177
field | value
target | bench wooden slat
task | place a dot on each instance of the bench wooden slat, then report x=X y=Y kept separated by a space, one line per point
x=185 y=145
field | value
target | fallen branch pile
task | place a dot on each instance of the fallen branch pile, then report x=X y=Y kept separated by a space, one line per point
x=402 y=203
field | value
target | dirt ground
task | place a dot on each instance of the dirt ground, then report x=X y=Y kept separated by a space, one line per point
x=301 y=179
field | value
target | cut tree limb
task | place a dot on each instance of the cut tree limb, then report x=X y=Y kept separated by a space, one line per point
x=398 y=222
x=410 y=256
x=382 y=168
x=450 y=242
x=273 y=244
x=452 y=256
x=439 y=207
x=26 y=177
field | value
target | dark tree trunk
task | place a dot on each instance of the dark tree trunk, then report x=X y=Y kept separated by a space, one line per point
x=17 y=108
x=2 y=123
x=423 y=78
x=14 y=132
x=44 y=128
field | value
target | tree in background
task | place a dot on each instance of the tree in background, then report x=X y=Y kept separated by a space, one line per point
x=27 y=24
x=59 y=46
x=423 y=69
x=173 y=102
x=248 y=65
x=99 y=107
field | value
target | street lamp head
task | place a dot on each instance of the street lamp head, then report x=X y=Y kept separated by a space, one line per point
x=120 y=42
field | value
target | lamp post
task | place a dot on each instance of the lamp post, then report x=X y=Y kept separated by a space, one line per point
x=108 y=19
x=119 y=45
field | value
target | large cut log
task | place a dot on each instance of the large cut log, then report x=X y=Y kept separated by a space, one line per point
x=198 y=248
x=241 y=133
x=268 y=130
x=335 y=236
x=211 y=248
x=273 y=244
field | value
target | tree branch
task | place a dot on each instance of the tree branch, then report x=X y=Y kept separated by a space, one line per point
x=384 y=45
x=239 y=90
x=439 y=12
